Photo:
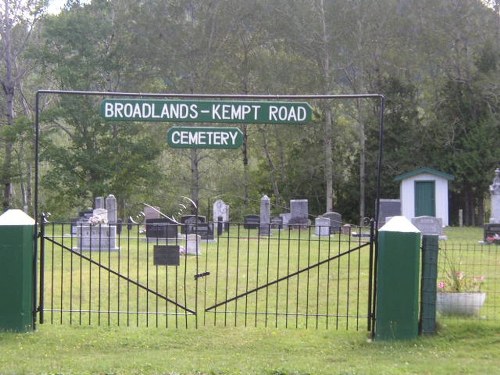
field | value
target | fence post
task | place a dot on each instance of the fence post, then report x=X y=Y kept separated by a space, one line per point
x=17 y=234
x=430 y=247
x=398 y=279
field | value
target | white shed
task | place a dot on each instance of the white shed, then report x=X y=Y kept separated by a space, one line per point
x=424 y=192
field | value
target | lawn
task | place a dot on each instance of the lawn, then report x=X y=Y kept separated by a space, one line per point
x=466 y=346
x=458 y=348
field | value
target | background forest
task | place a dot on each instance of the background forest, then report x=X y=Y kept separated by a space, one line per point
x=435 y=61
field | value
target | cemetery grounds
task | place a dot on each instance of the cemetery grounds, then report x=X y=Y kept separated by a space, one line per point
x=460 y=346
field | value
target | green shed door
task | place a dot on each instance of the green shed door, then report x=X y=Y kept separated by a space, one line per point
x=425 y=198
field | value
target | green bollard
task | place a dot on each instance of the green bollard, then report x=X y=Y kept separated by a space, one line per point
x=398 y=278
x=17 y=236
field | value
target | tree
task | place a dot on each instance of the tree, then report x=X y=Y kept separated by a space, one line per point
x=17 y=20
x=89 y=157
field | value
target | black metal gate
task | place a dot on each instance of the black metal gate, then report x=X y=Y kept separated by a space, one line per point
x=291 y=278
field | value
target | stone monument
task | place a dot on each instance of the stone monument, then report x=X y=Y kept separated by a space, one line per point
x=492 y=229
x=265 y=216
x=98 y=232
x=299 y=213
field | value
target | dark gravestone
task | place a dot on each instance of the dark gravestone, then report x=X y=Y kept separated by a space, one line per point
x=190 y=222
x=335 y=221
x=166 y=255
x=388 y=208
x=161 y=228
x=299 y=213
x=204 y=230
x=251 y=222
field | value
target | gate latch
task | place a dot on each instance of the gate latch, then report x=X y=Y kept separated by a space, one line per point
x=200 y=275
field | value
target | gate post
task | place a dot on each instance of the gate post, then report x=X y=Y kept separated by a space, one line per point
x=397 y=280
x=17 y=236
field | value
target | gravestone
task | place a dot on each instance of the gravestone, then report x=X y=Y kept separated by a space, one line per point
x=387 y=209
x=492 y=229
x=265 y=216
x=428 y=225
x=285 y=217
x=205 y=231
x=251 y=221
x=495 y=198
x=277 y=222
x=190 y=222
x=335 y=221
x=96 y=234
x=96 y=230
x=221 y=210
x=193 y=244
x=151 y=213
x=161 y=228
x=166 y=255
x=322 y=226
x=299 y=213
x=99 y=202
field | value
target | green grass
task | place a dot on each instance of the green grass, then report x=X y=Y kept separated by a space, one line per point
x=458 y=348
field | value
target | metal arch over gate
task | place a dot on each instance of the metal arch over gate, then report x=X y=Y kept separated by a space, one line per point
x=242 y=278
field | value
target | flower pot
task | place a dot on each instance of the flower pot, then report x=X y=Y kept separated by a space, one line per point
x=467 y=304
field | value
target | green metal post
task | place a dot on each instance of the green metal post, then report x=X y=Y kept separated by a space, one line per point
x=398 y=279
x=17 y=236
x=430 y=247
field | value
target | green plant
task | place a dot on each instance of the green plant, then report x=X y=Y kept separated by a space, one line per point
x=455 y=280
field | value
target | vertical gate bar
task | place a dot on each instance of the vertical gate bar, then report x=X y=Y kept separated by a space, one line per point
x=337 y=307
x=216 y=283
x=41 y=294
x=147 y=285
x=257 y=270
x=137 y=272
x=267 y=271
x=237 y=268
x=227 y=280
x=185 y=279
x=277 y=276
x=298 y=280
x=247 y=276
x=318 y=278
x=167 y=273
x=61 y=287
x=287 y=299
x=308 y=275
x=109 y=273
x=71 y=277
x=205 y=286
x=99 y=274
x=134 y=227
x=370 y=276
x=52 y=281
x=348 y=290
x=90 y=283
x=328 y=282
x=157 y=304
x=358 y=288
x=80 y=300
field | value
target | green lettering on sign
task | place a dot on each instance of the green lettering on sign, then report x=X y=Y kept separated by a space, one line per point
x=207 y=137
x=247 y=112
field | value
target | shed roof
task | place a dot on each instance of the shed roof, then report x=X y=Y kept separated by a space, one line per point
x=424 y=170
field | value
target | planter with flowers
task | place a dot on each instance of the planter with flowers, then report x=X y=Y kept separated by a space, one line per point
x=459 y=293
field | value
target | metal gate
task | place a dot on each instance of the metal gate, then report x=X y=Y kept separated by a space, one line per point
x=290 y=278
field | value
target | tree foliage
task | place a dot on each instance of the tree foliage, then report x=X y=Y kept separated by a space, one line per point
x=436 y=62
